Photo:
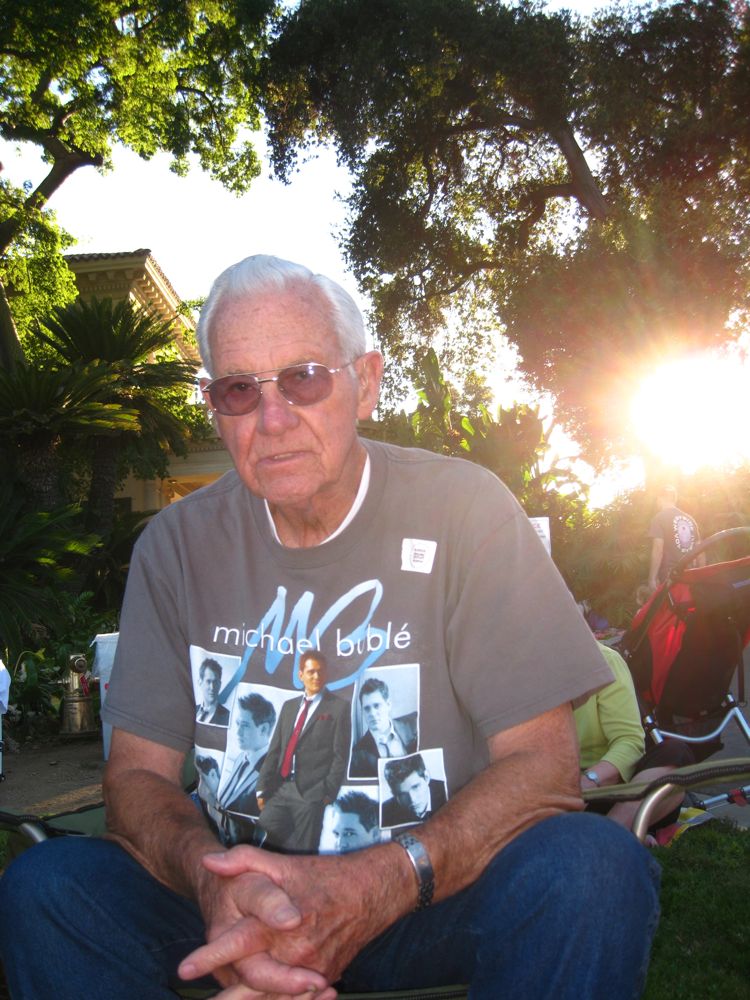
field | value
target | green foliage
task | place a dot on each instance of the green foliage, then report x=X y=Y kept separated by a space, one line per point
x=147 y=375
x=34 y=684
x=44 y=403
x=137 y=349
x=107 y=568
x=79 y=76
x=34 y=273
x=79 y=621
x=38 y=552
x=39 y=406
x=465 y=125
x=154 y=76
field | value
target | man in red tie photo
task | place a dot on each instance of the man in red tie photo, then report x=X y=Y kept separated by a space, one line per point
x=306 y=762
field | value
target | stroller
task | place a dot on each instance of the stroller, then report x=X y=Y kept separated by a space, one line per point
x=685 y=646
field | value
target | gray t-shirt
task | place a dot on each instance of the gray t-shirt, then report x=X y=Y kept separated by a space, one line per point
x=680 y=535
x=439 y=587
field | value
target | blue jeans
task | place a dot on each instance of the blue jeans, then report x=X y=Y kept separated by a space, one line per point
x=567 y=910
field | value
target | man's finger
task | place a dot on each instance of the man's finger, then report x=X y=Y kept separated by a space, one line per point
x=268 y=901
x=265 y=973
x=258 y=971
x=243 y=938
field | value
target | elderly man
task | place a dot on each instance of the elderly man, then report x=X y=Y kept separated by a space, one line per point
x=320 y=540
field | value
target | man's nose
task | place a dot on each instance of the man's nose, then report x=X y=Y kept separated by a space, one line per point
x=275 y=413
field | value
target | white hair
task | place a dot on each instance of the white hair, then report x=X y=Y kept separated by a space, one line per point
x=262 y=273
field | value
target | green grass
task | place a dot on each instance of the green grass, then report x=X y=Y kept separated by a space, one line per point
x=700 y=950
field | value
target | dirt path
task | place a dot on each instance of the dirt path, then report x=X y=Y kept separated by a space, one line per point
x=52 y=776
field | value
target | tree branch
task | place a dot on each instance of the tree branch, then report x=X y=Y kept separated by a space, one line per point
x=585 y=188
x=11 y=353
x=65 y=162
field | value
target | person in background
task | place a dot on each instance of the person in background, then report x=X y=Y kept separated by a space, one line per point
x=673 y=534
x=613 y=747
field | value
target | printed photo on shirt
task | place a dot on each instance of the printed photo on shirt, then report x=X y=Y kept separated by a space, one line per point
x=208 y=762
x=352 y=821
x=211 y=675
x=254 y=716
x=411 y=788
x=385 y=717
x=306 y=762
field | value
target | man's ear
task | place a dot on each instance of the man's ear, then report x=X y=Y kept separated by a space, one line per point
x=369 y=369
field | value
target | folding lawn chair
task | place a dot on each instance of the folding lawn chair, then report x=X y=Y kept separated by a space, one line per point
x=651 y=794
x=686 y=645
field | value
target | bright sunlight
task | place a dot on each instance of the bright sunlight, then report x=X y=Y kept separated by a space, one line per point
x=695 y=413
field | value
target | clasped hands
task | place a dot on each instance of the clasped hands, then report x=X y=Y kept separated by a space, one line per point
x=282 y=926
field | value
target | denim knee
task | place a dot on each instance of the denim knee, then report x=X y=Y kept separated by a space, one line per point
x=581 y=862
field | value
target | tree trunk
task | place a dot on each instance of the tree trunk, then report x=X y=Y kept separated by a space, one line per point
x=39 y=471
x=11 y=352
x=100 y=508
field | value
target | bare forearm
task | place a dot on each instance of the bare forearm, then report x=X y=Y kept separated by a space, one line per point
x=606 y=772
x=508 y=797
x=657 y=549
x=156 y=822
x=536 y=780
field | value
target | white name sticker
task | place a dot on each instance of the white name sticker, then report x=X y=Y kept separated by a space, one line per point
x=417 y=555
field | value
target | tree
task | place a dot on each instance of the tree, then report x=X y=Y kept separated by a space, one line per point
x=37 y=553
x=136 y=349
x=81 y=75
x=514 y=444
x=33 y=273
x=39 y=407
x=465 y=125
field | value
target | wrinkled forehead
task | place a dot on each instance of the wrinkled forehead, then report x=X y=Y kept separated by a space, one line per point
x=300 y=308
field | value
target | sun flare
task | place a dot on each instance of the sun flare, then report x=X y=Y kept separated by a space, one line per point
x=695 y=413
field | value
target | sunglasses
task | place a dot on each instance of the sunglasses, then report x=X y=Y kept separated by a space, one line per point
x=300 y=385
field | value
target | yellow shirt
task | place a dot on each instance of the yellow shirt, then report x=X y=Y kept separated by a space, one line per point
x=609 y=723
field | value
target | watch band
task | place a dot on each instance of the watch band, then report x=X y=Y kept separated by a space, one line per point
x=422 y=865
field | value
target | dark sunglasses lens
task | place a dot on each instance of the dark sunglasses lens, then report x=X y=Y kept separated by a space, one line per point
x=234 y=395
x=304 y=385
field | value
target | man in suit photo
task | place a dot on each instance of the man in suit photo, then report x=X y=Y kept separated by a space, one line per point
x=254 y=721
x=385 y=736
x=416 y=796
x=306 y=762
x=210 y=710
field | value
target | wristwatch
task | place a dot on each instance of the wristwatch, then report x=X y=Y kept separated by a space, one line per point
x=422 y=865
x=593 y=776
